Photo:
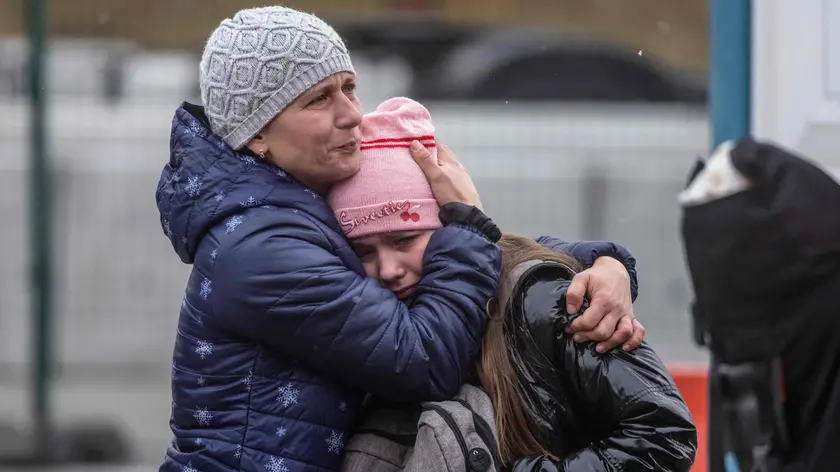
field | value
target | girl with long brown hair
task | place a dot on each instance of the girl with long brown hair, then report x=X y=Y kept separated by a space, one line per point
x=560 y=405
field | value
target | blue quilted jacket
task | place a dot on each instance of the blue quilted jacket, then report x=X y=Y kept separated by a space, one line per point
x=280 y=335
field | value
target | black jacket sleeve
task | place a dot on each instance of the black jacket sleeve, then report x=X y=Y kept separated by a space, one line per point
x=629 y=399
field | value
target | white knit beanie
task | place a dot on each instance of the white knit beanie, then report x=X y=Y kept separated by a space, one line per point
x=256 y=63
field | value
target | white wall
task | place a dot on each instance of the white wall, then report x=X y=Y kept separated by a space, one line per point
x=796 y=76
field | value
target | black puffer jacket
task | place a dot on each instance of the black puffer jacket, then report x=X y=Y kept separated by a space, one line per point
x=598 y=412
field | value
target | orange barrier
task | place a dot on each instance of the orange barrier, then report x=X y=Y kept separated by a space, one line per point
x=692 y=380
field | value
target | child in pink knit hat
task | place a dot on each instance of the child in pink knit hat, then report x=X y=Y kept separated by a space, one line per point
x=389 y=213
x=387 y=209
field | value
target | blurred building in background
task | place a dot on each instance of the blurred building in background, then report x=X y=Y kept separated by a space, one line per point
x=576 y=118
x=584 y=49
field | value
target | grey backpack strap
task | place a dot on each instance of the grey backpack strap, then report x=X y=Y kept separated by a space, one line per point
x=457 y=435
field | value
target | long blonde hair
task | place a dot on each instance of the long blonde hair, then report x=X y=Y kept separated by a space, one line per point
x=517 y=435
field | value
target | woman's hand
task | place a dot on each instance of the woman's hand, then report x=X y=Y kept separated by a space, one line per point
x=609 y=318
x=448 y=178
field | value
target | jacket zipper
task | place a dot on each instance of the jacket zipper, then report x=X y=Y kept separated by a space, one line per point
x=485 y=433
x=450 y=421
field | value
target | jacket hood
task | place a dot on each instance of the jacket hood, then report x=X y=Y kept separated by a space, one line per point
x=206 y=182
x=761 y=260
x=781 y=233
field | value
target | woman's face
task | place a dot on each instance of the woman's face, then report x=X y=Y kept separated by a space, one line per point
x=394 y=259
x=316 y=138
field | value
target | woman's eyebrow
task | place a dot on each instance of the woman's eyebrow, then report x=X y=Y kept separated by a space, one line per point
x=327 y=86
x=316 y=91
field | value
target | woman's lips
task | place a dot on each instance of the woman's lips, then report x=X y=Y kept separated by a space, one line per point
x=349 y=148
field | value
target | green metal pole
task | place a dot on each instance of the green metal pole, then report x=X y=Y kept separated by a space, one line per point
x=40 y=227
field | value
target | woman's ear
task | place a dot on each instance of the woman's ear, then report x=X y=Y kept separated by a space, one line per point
x=258 y=146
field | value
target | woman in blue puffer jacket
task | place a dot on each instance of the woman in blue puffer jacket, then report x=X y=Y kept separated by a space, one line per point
x=280 y=334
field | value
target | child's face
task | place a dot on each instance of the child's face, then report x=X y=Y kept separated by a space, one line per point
x=394 y=259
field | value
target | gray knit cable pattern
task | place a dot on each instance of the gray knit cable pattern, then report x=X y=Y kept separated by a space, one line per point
x=258 y=62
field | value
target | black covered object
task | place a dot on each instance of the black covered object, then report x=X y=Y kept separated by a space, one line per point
x=756 y=257
x=765 y=264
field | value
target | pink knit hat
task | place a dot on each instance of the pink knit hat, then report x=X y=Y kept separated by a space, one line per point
x=390 y=191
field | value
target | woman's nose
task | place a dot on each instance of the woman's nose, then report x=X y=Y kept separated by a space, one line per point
x=348 y=115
